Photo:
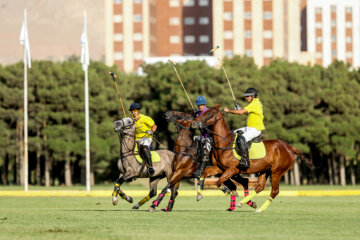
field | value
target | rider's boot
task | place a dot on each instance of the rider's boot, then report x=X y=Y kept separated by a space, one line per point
x=201 y=167
x=147 y=156
x=241 y=142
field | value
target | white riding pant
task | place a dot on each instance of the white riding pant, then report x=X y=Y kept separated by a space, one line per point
x=145 y=141
x=249 y=133
x=205 y=141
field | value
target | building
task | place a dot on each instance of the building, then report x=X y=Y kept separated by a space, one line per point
x=262 y=29
x=333 y=30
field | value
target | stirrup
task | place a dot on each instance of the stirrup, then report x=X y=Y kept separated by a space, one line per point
x=150 y=171
x=244 y=163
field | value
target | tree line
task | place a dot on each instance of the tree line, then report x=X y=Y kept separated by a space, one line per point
x=313 y=108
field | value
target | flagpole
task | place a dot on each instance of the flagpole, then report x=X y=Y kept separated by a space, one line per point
x=26 y=161
x=87 y=132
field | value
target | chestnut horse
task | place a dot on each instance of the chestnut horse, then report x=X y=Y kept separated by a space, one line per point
x=279 y=158
x=184 y=164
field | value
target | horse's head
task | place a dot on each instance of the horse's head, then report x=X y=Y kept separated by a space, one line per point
x=180 y=118
x=207 y=118
x=124 y=125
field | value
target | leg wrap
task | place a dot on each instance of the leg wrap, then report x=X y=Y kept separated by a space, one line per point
x=144 y=200
x=265 y=205
x=248 y=197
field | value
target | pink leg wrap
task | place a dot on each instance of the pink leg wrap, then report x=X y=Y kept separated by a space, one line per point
x=156 y=203
x=232 y=203
x=246 y=192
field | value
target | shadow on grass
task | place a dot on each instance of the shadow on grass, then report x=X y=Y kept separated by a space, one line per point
x=181 y=211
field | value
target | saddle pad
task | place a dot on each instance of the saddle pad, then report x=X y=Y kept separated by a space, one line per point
x=155 y=157
x=257 y=151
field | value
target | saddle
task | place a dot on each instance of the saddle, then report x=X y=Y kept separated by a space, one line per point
x=155 y=157
x=256 y=148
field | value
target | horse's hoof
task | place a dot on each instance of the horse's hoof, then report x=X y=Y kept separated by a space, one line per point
x=129 y=199
x=115 y=200
x=136 y=206
x=258 y=211
x=151 y=209
x=164 y=210
x=239 y=204
x=230 y=210
x=253 y=205
x=199 y=197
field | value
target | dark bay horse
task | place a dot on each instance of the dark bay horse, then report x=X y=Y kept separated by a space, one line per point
x=131 y=169
x=279 y=158
x=184 y=164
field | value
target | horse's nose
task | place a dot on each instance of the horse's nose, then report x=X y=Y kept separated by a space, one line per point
x=194 y=124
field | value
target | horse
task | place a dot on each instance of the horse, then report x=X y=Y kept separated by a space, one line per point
x=185 y=161
x=130 y=168
x=280 y=156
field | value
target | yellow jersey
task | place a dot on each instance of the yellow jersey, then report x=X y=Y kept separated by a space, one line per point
x=256 y=117
x=143 y=124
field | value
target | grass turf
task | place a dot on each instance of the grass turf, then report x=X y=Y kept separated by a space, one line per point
x=96 y=218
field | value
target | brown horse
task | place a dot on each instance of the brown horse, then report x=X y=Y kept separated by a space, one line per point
x=184 y=164
x=279 y=158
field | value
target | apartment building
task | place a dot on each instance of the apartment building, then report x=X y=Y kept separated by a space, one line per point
x=333 y=30
x=262 y=29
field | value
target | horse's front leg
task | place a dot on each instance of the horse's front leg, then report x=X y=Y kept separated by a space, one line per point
x=209 y=171
x=174 y=193
x=118 y=192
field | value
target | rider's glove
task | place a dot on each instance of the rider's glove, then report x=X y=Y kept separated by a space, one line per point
x=150 y=132
x=237 y=106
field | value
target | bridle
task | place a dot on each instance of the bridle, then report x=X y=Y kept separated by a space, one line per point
x=121 y=134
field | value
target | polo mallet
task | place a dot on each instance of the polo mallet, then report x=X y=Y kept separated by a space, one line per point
x=174 y=66
x=227 y=78
x=117 y=90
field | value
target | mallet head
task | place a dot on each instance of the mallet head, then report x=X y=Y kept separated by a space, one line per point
x=214 y=49
x=172 y=62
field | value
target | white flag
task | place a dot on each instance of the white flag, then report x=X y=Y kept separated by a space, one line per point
x=24 y=40
x=84 y=47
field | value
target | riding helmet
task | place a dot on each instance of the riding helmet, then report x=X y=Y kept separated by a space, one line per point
x=134 y=106
x=250 y=92
x=200 y=100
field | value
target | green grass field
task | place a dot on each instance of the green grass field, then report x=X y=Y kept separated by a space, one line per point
x=96 y=218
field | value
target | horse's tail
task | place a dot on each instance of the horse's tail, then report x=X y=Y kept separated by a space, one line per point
x=308 y=162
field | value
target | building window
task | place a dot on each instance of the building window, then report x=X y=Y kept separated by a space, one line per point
x=348 y=9
x=204 y=39
x=189 y=3
x=268 y=53
x=333 y=8
x=203 y=20
x=333 y=53
x=348 y=40
x=318 y=10
x=229 y=53
x=189 y=21
x=268 y=34
x=203 y=3
x=174 y=3
x=333 y=23
x=247 y=15
x=137 y=18
x=117 y=1
x=318 y=54
x=247 y=34
x=138 y=55
x=267 y=15
x=228 y=16
x=228 y=35
x=248 y=52
x=333 y=38
x=349 y=54
x=318 y=25
x=118 y=56
x=174 y=21
x=137 y=1
x=319 y=40
x=118 y=37
x=189 y=39
x=348 y=24
x=118 y=18
x=174 y=39
x=138 y=37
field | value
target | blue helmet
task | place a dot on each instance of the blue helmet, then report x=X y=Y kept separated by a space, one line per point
x=200 y=100
x=134 y=106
